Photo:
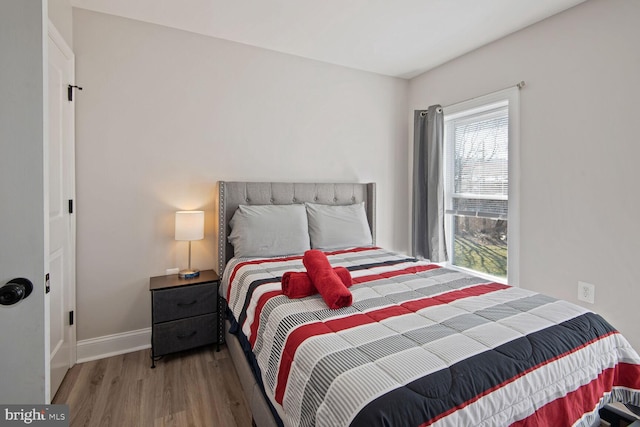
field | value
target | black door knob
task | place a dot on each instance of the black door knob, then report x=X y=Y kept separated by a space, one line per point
x=15 y=291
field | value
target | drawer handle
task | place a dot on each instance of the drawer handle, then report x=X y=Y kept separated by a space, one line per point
x=186 y=304
x=182 y=337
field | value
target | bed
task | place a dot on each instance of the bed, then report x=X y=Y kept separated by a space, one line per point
x=420 y=345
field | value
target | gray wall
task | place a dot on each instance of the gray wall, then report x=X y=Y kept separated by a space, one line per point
x=23 y=350
x=165 y=114
x=579 y=148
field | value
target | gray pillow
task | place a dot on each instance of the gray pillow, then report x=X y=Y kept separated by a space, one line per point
x=269 y=230
x=337 y=227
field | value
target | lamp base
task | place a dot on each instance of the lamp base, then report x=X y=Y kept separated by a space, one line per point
x=189 y=274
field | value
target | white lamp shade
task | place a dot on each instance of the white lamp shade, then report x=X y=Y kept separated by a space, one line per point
x=189 y=225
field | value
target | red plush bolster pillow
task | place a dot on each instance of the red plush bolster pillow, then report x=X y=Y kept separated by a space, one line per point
x=298 y=284
x=326 y=280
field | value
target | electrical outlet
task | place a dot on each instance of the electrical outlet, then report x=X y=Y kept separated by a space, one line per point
x=169 y=271
x=586 y=292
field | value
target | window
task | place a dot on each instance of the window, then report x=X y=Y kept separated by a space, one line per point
x=480 y=193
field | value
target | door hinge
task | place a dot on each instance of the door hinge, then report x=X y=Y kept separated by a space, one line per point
x=47 y=284
x=71 y=318
x=70 y=91
x=70 y=206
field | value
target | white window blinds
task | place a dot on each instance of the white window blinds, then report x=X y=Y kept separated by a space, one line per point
x=478 y=163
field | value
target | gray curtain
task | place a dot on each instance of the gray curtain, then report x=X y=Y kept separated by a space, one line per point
x=428 y=185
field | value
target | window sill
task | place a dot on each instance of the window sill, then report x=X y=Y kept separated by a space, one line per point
x=485 y=276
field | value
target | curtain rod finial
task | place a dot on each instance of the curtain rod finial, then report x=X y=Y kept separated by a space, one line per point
x=521 y=84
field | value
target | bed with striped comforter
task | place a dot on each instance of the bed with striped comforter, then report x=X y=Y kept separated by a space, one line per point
x=424 y=345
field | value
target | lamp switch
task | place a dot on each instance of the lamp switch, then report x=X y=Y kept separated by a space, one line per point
x=169 y=271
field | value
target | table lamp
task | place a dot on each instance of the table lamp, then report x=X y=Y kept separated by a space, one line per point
x=189 y=226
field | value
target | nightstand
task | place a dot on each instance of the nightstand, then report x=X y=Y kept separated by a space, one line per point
x=185 y=313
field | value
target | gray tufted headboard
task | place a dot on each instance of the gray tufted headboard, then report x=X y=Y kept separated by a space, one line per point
x=233 y=194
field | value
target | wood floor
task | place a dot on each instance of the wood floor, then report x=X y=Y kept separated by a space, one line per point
x=193 y=388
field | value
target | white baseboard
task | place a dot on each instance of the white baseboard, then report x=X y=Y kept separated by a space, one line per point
x=112 y=345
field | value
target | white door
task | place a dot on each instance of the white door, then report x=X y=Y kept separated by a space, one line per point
x=24 y=370
x=61 y=220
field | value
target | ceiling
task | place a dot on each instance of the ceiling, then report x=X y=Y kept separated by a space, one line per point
x=401 y=38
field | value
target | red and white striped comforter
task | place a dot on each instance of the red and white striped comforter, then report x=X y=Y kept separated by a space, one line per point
x=423 y=345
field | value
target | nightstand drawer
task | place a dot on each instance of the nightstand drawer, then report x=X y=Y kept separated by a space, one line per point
x=178 y=303
x=184 y=334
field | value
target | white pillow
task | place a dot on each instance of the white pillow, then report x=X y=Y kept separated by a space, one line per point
x=269 y=230
x=337 y=227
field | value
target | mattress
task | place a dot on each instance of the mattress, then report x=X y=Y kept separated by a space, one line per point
x=424 y=345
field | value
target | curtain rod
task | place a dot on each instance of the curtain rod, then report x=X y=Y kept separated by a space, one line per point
x=521 y=84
